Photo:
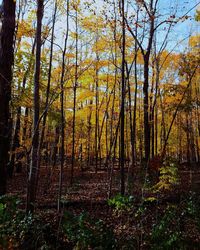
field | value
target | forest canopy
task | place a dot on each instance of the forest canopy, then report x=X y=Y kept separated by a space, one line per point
x=98 y=87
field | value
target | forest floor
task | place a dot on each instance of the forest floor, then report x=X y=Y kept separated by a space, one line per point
x=133 y=226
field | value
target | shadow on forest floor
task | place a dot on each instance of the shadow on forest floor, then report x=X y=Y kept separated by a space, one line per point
x=167 y=220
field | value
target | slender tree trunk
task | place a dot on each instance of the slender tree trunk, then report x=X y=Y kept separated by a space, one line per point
x=155 y=107
x=55 y=147
x=179 y=139
x=103 y=121
x=151 y=116
x=107 y=117
x=135 y=108
x=6 y=64
x=141 y=146
x=74 y=104
x=97 y=107
x=15 y=143
x=112 y=119
x=122 y=144
x=156 y=130
x=131 y=124
x=89 y=128
x=197 y=134
x=62 y=112
x=32 y=180
x=16 y=139
x=163 y=126
x=25 y=126
x=47 y=91
x=113 y=165
x=151 y=11
x=146 y=110
x=176 y=112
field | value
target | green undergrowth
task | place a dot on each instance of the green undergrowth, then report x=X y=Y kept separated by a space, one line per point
x=170 y=231
x=19 y=230
x=158 y=226
x=87 y=233
x=121 y=203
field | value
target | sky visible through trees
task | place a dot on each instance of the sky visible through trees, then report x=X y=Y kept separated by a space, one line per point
x=100 y=106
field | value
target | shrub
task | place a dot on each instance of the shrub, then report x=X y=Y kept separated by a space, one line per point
x=166 y=234
x=86 y=233
x=168 y=176
x=21 y=231
x=10 y=218
x=121 y=203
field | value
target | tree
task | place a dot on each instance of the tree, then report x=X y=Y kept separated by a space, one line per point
x=75 y=85
x=34 y=168
x=62 y=109
x=6 y=62
x=122 y=101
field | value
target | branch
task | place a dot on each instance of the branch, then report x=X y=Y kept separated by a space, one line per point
x=172 y=21
x=175 y=113
x=134 y=36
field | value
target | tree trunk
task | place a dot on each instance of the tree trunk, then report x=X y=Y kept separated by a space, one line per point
x=122 y=144
x=97 y=107
x=55 y=147
x=15 y=143
x=74 y=103
x=6 y=63
x=135 y=109
x=146 y=110
x=62 y=112
x=25 y=125
x=16 y=140
x=32 y=180
x=47 y=89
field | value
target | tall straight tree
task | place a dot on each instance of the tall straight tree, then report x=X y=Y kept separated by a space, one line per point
x=122 y=101
x=150 y=8
x=75 y=93
x=96 y=97
x=48 y=85
x=62 y=80
x=33 y=175
x=16 y=134
x=6 y=63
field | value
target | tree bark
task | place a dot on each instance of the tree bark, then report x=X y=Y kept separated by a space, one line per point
x=32 y=180
x=74 y=101
x=122 y=144
x=6 y=63
x=16 y=137
x=62 y=113
x=146 y=110
x=48 y=88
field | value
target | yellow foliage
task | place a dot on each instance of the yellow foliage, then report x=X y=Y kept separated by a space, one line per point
x=194 y=41
x=25 y=30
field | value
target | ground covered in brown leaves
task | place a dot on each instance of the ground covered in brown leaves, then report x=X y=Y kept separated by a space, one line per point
x=169 y=217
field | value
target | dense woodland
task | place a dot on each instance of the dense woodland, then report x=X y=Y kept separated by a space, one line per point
x=99 y=124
